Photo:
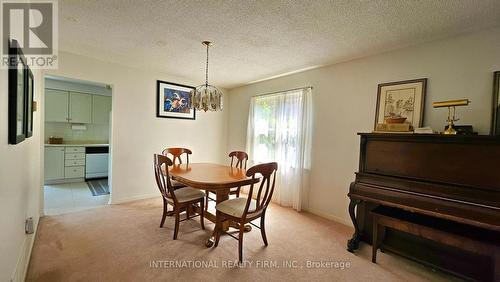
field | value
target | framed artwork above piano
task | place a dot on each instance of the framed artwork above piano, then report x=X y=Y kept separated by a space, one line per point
x=401 y=102
x=455 y=179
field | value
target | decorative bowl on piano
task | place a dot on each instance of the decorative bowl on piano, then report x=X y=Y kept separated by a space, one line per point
x=395 y=119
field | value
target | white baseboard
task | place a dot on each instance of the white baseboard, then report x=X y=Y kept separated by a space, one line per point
x=66 y=180
x=134 y=198
x=19 y=273
x=330 y=216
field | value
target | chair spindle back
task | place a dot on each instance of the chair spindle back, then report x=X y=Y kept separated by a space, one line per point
x=161 y=164
x=176 y=154
x=266 y=188
x=241 y=159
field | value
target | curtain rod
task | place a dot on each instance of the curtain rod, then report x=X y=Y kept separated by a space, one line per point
x=271 y=93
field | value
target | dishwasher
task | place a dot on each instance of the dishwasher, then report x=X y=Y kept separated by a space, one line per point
x=96 y=162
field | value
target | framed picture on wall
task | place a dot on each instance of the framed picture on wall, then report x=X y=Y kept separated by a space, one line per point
x=17 y=94
x=29 y=102
x=401 y=101
x=172 y=100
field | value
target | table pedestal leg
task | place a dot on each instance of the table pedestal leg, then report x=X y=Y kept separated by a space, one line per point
x=210 y=241
x=221 y=196
x=236 y=225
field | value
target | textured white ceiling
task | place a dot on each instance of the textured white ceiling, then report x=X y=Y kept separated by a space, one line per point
x=258 y=39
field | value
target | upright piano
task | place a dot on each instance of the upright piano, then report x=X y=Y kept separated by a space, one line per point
x=455 y=178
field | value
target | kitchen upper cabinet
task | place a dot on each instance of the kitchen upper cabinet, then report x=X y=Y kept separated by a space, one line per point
x=80 y=108
x=101 y=107
x=56 y=105
x=75 y=107
x=54 y=163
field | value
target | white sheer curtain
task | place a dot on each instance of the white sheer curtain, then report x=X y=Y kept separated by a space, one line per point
x=279 y=129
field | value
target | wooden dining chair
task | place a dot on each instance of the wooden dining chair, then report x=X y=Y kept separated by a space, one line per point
x=238 y=159
x=181 y=199
x=241 y=162
x=176 y=154
x=245 y=210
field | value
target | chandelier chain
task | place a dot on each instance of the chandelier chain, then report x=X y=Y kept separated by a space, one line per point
x=206 y=69
x=206 y=97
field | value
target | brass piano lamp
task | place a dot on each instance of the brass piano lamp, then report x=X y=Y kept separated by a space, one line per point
x=451 y=104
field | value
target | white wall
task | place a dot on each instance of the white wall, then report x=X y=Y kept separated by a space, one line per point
x=344 y=98
x=19 y=189
x=136 y=131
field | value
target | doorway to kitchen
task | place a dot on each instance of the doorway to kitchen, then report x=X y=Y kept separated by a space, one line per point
x=77 y=131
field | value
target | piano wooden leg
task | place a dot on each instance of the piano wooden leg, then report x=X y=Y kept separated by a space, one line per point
x=353 y=243
x=375 y=240
x=496 y=264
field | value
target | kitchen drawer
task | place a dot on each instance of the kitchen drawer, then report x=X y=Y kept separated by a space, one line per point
x=74 y=162
x=75 y=156
x=74 y=172
x=75 y=150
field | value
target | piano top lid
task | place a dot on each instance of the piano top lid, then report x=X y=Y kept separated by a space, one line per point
x=432 y=137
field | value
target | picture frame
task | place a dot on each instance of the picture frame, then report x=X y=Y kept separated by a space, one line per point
x=17 y=94
x=172 y=100
x=29 y=102
x=401 y=100
x=495 y=111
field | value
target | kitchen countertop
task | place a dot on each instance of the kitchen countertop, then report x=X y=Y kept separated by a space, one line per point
x=77 y=145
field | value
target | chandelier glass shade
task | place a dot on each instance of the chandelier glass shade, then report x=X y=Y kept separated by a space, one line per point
x=206 y=97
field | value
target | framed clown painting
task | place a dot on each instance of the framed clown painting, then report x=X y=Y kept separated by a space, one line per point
x=172 y=100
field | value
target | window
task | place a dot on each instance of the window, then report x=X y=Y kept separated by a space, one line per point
x=279 y=129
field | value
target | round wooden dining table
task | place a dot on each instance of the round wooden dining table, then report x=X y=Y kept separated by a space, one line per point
x=212 y=177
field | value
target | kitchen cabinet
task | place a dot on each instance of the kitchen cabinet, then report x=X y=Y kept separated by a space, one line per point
x=80 y=107
x=74 y=172
x=64 y=163
x=74 y=162
x=56 y=105
x=101 y=107
x=54 y=163
x=64 y=106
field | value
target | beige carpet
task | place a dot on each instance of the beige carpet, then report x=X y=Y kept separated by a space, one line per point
x=118 y=243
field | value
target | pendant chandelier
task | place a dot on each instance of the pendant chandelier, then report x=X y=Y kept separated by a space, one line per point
x=206 y=97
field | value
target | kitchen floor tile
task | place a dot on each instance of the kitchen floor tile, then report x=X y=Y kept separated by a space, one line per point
x=70 y=197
